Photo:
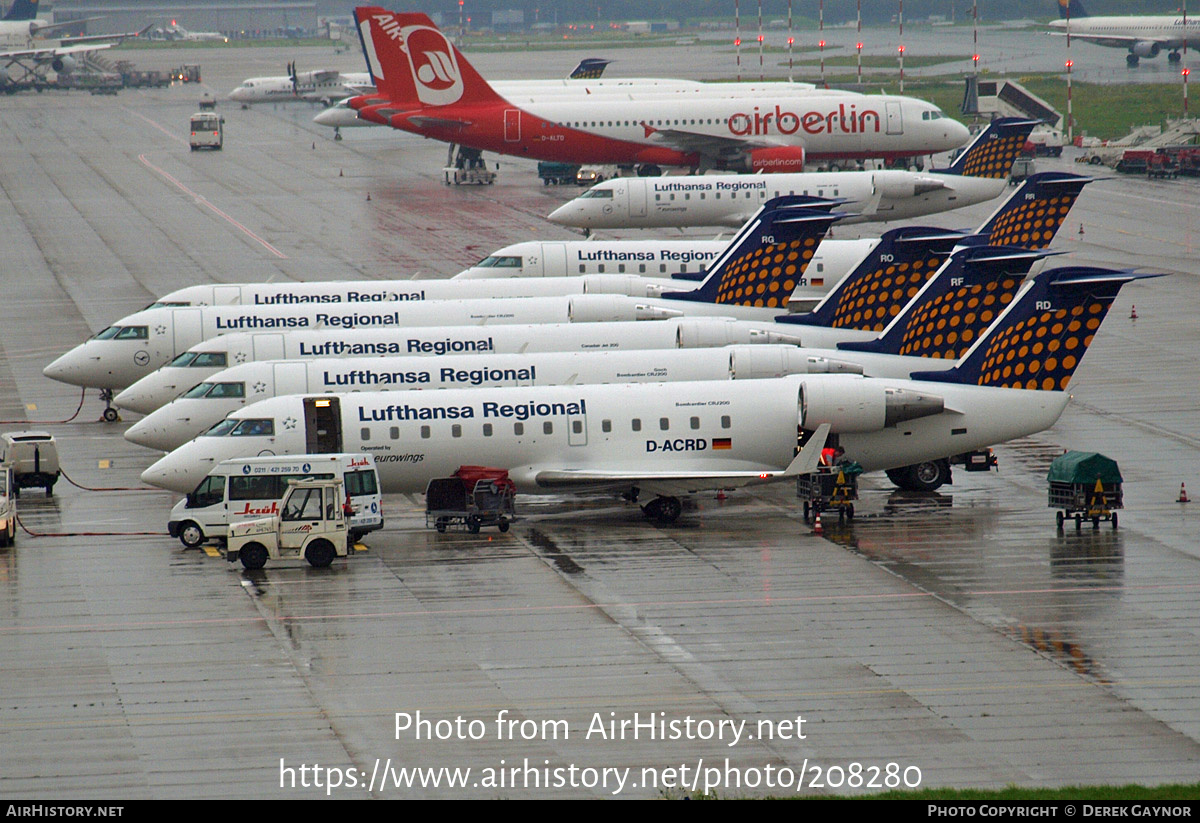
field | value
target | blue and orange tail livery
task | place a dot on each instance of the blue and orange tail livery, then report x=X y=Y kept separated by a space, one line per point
x=992 y=152
x=1038 y=342
x=589 y=68
x=766 y=261
x=954 y=308
x=1071 y=8
x=416 y=65
x=884 y=282
x=1034 y=213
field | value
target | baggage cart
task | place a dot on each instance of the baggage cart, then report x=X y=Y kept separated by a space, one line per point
x=473 y=497
x=828 y=488
x=1084 y=486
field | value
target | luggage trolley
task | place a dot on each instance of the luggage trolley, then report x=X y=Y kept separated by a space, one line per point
x=830 y=487
x=1086 y=486
x=473 y=497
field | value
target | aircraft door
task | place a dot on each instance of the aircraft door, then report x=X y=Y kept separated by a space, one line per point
x=638 y=194
x=895 y=118
x=268 y=347
x=554 y=259
x=512 y=125
x=227 y=295
x=577 y=429
x=291 y=378
x=322 y=425
x=187 y=328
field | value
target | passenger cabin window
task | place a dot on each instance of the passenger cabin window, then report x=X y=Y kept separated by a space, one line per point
x=725 y=421
x=548 y=427
x=664 y=423
x=394 y=432
x=487 y=429
x=425 y=433
x=365 y=433
x=636 y=425
x=518 y=429
x=456 y=430
x=695 y=422
x=606 y=426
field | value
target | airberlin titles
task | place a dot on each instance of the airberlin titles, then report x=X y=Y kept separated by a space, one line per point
x=844 y=120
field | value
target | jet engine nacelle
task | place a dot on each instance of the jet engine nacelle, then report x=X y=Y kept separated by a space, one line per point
x=627 y=284
x=777 y=159
x=862 y=405
x=702 y=334
x=1145 y=48
x=603 y=308
x=64 y=64
x=755 y=363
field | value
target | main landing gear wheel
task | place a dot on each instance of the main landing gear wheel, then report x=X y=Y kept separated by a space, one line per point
x=1131 y=59
x=663 y=509
x=921 y=477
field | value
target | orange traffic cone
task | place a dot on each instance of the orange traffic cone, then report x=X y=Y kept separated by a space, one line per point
x=817 y=528
x=1081 y=230
x=1183 y=498
x=368 y=197
x=1133 y=313
x=720 y=494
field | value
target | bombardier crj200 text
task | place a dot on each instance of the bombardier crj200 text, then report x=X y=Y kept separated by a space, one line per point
x=425 y=86
x=669 y=440
x=979 y=174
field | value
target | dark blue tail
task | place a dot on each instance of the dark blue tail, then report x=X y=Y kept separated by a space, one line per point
x=882 y=284
x=954 y=308
x=1035 y=212
x=22 y=10
x=767 y=259
x=992 y=152
x=1071 y=8
x=589 y=68
x=1038 y=341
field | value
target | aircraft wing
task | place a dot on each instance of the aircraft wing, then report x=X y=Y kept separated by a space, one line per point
x=710 y=145
x=50 y=52
x=103 y=38
x=685 y=482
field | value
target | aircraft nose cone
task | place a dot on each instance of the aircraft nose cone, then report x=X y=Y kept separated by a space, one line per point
x=176 y=473
x=329 y=117
x=237 y=94
x=65 y=369
x=151 y=434
x=139 y=398
x=562 y=215
x=958 y=133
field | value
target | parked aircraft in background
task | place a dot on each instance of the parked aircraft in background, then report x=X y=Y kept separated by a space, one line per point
x=22 y=47
x=425 y=86
x=979 y=174
x=176 y=32
x=1142 y=35
x=669 y=440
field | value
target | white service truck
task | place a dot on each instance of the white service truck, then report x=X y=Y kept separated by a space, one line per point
x=8 y=507
x=311 y=523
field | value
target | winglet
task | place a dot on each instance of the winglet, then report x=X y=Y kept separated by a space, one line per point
x=809 y=457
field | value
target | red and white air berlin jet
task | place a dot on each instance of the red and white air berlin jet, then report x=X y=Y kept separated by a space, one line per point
x=425 y=86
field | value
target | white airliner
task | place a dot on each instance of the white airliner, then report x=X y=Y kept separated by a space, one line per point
x=22 y=47
x=1142 y=35
x=176 y=32
x=206 y=404
x=202 y=361
x=979 y=174
x=426 y=87
x=675 y=439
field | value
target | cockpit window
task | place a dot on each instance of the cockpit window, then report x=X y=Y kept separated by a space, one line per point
x=223 y=428
x=209 y=360
x=499 y=261
x=255 y=427
x=107 y=334
x=184 y=359
x=932 y=115
x=601 y=194
x=170 y=304
x=133 y=333
x=228 y=390
x=198 y=390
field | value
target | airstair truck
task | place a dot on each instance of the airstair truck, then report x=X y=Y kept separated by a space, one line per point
x=311 y=523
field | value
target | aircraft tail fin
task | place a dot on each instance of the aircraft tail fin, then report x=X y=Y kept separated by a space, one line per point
x=1071 y=8
x=766 y=260
x=1033 y=214
x=589 y=68
x=992 y=152
x=1040 y=338
x=882 y=284
x=414 y=64
x=957 y=305
x=22 y=10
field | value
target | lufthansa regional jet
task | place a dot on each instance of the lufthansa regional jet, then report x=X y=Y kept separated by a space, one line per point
x=1141 y=35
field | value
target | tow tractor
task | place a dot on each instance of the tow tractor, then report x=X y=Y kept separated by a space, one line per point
x=311 y=523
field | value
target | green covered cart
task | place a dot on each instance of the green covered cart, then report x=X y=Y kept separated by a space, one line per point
x=1085 y=486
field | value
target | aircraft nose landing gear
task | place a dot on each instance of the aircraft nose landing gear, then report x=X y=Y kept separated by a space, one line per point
x=110 y=414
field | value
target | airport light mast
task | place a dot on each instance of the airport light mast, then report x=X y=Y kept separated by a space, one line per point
x=902 y=46
x=859 y=44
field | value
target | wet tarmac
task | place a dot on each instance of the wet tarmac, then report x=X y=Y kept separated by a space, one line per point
x=956 y=633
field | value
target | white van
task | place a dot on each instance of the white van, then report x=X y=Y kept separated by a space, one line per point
x=251 y=487
x=207 y=131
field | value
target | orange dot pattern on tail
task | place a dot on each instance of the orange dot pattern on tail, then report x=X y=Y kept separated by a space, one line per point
x=995 y=158
x=1032 y=225
x=1042 y=351
x=950 y=324
x=871 y=301
x=767 y=276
